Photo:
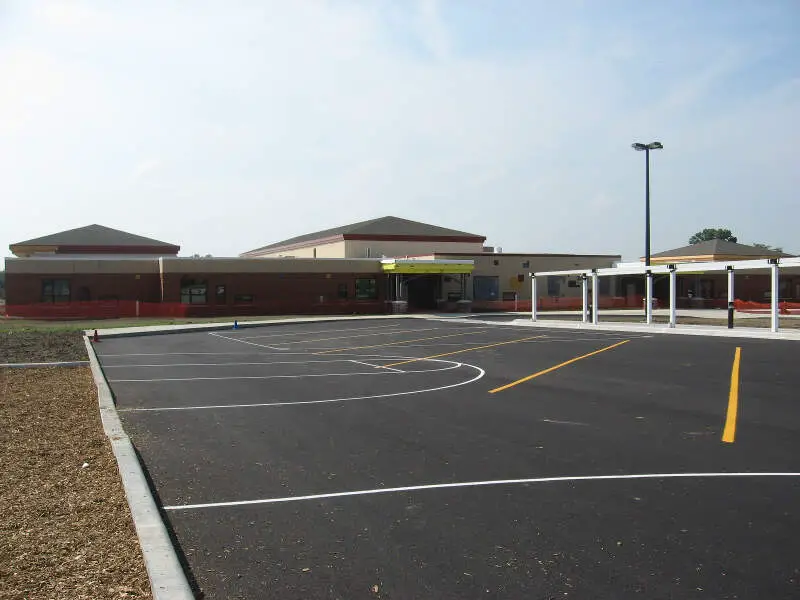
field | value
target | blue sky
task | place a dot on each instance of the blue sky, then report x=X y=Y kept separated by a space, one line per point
x=224 y=126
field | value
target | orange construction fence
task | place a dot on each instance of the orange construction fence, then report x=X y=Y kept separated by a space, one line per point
x=784 y=307
x=116 y=309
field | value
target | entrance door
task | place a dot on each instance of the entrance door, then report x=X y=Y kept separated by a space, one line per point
x=422 y=292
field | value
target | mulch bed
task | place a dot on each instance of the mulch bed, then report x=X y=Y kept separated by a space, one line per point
x=66 y=530
x=22 y=345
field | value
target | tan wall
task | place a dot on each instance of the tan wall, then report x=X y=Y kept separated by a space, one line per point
x=332 y=250
x=509 y=269
x=56 y=266
x=358 y=248
x=270 y=265
x=668 y=260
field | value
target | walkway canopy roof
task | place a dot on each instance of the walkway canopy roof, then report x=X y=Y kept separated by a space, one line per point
x=426 y=266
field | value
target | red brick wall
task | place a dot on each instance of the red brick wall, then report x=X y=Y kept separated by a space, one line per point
x=26 y=288
x=301 y=289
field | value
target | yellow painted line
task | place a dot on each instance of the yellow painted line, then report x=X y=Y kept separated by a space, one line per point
x=729 y=433
x=558 y=366
x=438 y=337
x=348 y=337
x=405 y=362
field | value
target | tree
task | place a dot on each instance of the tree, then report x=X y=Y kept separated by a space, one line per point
x=767 y=247
x=711 y=233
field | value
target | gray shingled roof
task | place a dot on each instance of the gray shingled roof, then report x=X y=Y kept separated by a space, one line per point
x=381 y=226
x=94 y=235
x=720 y=247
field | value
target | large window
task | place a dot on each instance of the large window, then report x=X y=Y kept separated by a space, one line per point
x=553 y=285
x=55 y=290
x=485 y=288
x=366 y=289
x=193 y=291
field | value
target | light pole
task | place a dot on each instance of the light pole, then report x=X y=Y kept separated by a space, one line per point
x=639 y=147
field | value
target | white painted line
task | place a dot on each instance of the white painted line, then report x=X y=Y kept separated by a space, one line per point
x=439 y=486
x=348 y=337
x=564 y=422
x=351 y=329
x=184 y=354
x=380 y=366
x=378 y=371
x=244 y=341
x=231 y=364
x=480 y=374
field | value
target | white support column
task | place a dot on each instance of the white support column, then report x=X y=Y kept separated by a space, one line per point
x=673 y=293
x=585 y=298
x=595 y=296
x=649 y=298
x=533 y=296
x=730 y=285
x=774 y=288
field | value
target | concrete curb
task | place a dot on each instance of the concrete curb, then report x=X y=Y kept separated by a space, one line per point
x=71 y=363
x=167 y=579
x=225 y=326
x=701 y=330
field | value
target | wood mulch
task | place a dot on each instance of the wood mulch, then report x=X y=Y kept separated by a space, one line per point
x=66 y=530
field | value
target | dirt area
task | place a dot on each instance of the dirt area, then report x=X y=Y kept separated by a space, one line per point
x=9 y=323
x=66 y=530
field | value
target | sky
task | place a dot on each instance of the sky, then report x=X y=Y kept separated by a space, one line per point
x=224 y=126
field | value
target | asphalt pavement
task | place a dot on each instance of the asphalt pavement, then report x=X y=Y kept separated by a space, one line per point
x=425 y=459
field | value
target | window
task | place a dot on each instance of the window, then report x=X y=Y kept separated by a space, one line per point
x=366 y=289
x=193 y=291
x=553 y=285
x=342 y=291
x=526 y=264
x=220 y=294
x=55 y=290
x=244 y=298
x=604 y=285
x=496 y=262
x=485 y=288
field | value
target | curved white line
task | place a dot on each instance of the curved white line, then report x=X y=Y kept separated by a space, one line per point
x=377 y=371
x=480 y=374
x=436 y=486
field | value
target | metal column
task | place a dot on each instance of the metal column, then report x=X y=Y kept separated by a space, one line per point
x=673 y=294
x=774 y=299
x=585 y=298
x=730 y=297
x=648 y=310
x=595 y=297
x=533 y=296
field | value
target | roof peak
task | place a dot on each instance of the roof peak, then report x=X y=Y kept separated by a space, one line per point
x=96 y=235
x=388 y=225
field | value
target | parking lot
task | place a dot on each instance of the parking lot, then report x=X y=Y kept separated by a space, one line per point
x=417 y=458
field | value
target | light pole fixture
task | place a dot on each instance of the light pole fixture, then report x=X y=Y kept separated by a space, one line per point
x=639 y=147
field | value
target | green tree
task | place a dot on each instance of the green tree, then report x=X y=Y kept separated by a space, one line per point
x=767 y=247
x=711 y=233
